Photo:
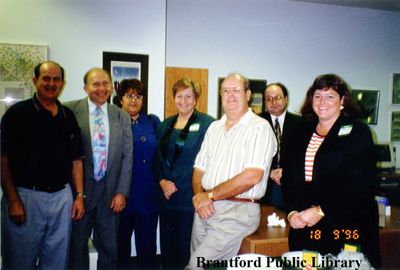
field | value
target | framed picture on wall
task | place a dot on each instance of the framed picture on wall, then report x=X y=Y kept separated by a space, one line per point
x=17 y=62
x=256 y=102
x=395 y=126
x=127 y=66
x=396 y=88
x=368 y=100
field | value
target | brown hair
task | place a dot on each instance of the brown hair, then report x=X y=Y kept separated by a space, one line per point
x=124 y=86
x=187 y=83
x=326 y=82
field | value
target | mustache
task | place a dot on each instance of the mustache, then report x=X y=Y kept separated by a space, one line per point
x=52 y=88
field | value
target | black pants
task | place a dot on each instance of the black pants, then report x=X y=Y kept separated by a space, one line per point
x=175 y=234
x=145 y=227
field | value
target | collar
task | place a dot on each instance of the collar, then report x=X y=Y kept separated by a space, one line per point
x=93 y=107
x=39 y=106
x=243 y=120
x=281 y=118
x=138 y=120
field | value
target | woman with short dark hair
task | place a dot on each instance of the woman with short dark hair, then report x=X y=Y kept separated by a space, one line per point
x=141 y=212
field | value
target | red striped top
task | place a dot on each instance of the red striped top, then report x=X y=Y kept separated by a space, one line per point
x=312 y=148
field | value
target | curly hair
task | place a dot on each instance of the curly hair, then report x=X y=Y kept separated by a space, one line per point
x=124 y=86
x=325 y=82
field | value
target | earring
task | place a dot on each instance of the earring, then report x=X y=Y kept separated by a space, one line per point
x=341 y=107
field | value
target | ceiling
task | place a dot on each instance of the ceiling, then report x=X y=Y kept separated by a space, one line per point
x=390 y=5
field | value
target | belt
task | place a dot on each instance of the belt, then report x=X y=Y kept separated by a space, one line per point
x=48 y=189
x=236 y=199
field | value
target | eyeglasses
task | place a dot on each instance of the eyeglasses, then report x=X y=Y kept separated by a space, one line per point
x=276 y=99
x=234 y=90
x=133 y=97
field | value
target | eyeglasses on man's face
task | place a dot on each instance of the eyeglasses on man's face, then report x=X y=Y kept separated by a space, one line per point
x=225 y=91
x=274 y=99
x=133 y=96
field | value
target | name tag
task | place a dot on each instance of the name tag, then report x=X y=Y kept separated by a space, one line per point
x=194 y=127
x=345 y=130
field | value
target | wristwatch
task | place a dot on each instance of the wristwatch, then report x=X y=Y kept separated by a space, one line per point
x=211 y=195
x=320 y=213
x=81 y=194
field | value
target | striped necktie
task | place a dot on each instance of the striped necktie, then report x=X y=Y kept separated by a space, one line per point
x=278 y=134
x=99 y=145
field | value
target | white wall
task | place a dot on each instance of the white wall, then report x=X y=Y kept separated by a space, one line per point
x=77 y=32
x=287 y=41
x=277 y=40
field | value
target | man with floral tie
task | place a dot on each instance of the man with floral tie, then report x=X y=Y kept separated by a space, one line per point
x=107 y=140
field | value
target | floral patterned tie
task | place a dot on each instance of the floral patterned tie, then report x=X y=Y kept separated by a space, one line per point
x=277 y=130
x=99 y=145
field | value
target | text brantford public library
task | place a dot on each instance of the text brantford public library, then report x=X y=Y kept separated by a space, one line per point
x=273 y=262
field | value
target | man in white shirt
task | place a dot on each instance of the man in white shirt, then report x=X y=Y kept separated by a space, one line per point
x=230 y=176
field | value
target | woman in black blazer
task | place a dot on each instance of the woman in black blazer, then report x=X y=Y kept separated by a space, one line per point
x=330 y=197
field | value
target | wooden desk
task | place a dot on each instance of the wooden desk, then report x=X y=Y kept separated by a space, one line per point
x=390 y=240
x=273 y=241
x=392 y=177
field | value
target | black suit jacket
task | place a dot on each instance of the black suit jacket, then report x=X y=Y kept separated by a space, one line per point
x=290 y=125
x=343 y=184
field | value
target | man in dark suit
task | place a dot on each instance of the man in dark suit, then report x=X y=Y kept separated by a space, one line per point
x=107 y=142
x=284 y=124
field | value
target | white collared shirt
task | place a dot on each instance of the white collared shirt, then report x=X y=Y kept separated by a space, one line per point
x=92 y=108
x=250 y=143
x=281 y=120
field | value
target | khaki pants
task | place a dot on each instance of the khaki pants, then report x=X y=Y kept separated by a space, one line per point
x=220 y=236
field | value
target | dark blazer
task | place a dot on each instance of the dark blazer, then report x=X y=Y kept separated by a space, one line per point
x=120 y=152
x=343 y=184
x=290 y=126
x=180 y=172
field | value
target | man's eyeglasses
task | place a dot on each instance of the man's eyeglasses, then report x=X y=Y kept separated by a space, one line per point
x=234 y=90
x=272 y=99
x=133 y=97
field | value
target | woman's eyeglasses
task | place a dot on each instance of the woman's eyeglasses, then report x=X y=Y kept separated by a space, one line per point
x=133 y=97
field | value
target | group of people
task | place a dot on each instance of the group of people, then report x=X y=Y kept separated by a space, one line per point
x=87 y=169
x=66 y=171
